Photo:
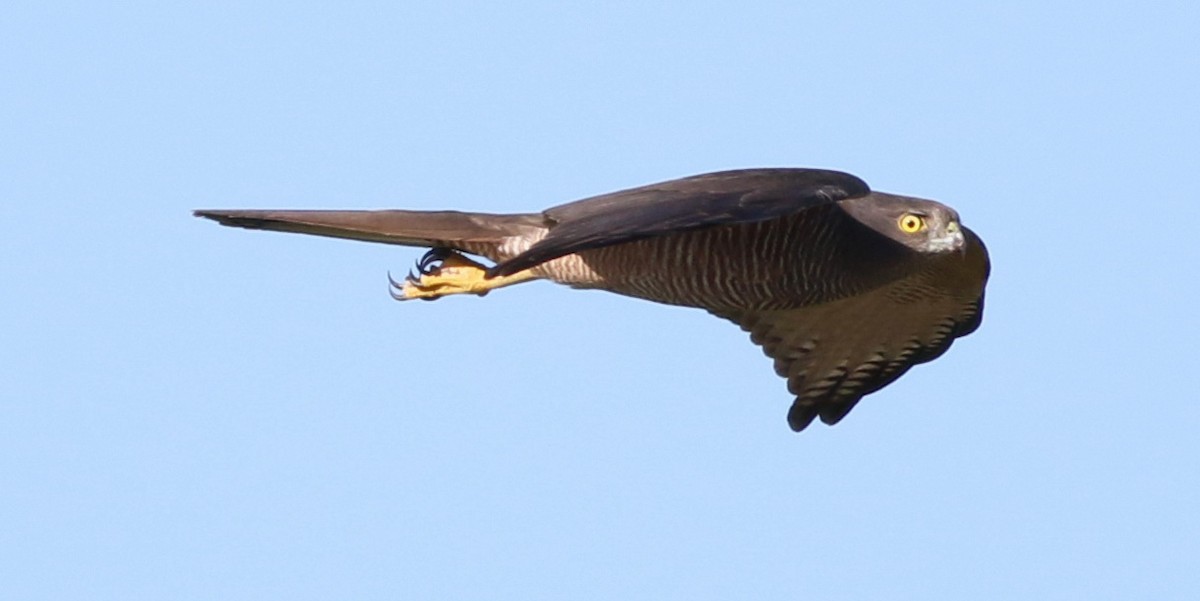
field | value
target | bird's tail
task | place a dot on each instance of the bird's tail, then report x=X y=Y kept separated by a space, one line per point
x=477 y=233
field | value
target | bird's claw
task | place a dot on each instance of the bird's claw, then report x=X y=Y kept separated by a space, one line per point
x=431 y=262
x=439 y=272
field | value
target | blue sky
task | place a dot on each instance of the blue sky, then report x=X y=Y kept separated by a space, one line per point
x=195 y=412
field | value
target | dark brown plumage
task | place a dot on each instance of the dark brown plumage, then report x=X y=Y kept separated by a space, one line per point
x=844 y=288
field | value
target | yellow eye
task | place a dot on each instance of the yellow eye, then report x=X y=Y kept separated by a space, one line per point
x=911 y=223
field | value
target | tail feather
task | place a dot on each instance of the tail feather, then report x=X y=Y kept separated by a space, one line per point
x=479 y=233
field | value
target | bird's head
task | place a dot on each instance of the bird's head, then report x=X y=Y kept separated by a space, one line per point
x=922 y=225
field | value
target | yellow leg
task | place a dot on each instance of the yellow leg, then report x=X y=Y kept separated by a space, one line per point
x=444 y=271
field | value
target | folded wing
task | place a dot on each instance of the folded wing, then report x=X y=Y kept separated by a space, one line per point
x=721 y=198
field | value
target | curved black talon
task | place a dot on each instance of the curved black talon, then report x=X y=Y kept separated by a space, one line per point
x=396 y=289
x=430 y=262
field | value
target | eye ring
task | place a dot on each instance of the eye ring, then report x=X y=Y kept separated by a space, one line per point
x=911 y=223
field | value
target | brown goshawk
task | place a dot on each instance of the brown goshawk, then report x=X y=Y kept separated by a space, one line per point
x=845 y=288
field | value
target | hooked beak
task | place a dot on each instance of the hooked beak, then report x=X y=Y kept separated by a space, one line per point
x=951 y=240
x=958 y=240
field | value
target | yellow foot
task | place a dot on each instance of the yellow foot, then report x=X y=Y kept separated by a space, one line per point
x=443 y=271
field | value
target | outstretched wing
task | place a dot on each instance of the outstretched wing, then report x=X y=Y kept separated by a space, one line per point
x=680 y=205
x=835 y=353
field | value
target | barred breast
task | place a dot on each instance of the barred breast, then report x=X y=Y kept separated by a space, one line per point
x=815 y=256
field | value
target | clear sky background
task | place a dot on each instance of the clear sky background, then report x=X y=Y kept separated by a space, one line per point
x=196 y=412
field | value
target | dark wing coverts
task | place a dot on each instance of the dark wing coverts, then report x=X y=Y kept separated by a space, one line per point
x=722 y=198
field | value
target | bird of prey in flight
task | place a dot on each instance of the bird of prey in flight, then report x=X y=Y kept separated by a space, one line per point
x=845 y=288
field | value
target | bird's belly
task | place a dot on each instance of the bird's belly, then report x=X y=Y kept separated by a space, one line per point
x=750 y=266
